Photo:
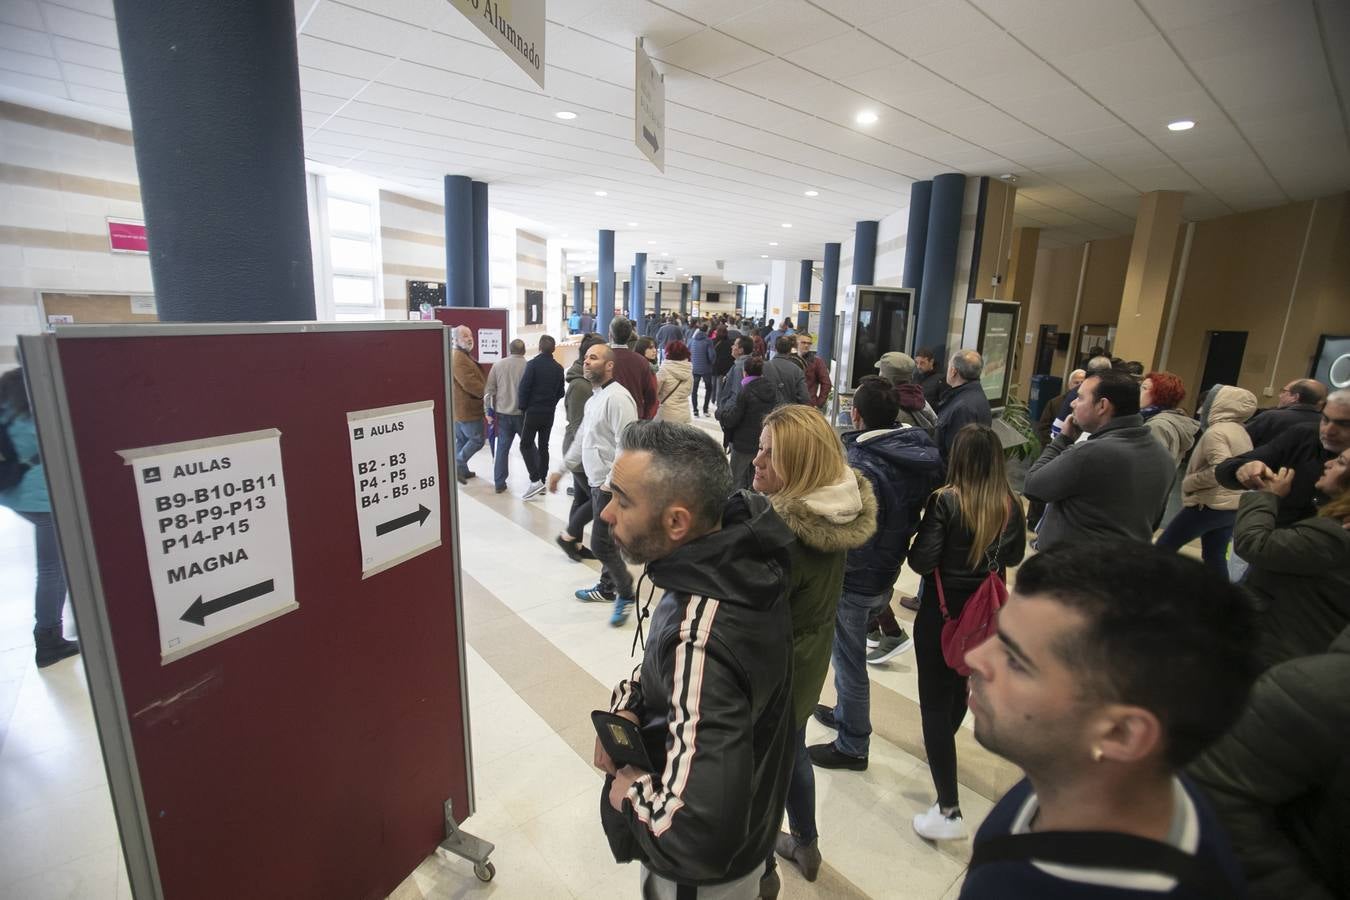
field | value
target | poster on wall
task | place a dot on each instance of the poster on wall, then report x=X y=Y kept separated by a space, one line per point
x=534 y=307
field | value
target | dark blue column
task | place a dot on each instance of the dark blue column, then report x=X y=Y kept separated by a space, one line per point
x=459 y=241
x=804 y=293
x=627 y=288
x=656 y=305
x=482 y=281
x=916 y=238
x=740 y=300
x=684 y=300
x=577 y=292
x=829 y=291
x=864 y=252
x=214 y=94
x=604 y=299
x=939 y=264
x=696 y=287
x=639 y=291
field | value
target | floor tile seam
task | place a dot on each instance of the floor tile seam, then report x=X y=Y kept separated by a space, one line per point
x=115 y=845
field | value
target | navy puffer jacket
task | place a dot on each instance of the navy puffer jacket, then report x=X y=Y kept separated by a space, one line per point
x=701 y=354
x=904 y=467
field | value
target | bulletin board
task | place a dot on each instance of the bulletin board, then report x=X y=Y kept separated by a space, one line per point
x=311 y=754
x=483 y=321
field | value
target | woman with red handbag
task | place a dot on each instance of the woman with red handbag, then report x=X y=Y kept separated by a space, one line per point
x=972 y=530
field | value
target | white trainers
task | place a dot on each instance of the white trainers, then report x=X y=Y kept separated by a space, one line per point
x=535 y=489
x=937 y=827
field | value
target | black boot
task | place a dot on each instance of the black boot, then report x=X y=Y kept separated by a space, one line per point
x=52 y=646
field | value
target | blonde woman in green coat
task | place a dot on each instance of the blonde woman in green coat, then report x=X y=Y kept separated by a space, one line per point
x=801 y=467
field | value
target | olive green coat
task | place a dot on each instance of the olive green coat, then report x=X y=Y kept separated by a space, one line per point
x=828 y=524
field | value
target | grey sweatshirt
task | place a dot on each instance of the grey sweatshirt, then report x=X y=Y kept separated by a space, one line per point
x=1112 y=486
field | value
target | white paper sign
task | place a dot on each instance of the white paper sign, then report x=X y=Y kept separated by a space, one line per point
x=143 y=306
x=649 y=109
x=394 y=470
x=489 y=345
x=516 y=26
x=216 y=536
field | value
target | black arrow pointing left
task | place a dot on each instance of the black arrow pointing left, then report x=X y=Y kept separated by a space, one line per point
x=198 y=611
x=411 y=518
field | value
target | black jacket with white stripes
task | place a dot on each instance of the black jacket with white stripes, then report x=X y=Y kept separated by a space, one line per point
x=714 y=699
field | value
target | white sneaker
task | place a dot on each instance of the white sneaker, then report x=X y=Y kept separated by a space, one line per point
x=534 y=490
x=937 y=827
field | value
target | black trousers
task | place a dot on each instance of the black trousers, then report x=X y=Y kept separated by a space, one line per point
x=942 y=696
x=580 y=516
x=534 y=444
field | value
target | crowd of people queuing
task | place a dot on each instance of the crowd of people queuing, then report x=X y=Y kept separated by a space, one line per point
x=1180 y=723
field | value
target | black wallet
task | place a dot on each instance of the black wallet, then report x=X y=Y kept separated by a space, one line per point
x=622 y=740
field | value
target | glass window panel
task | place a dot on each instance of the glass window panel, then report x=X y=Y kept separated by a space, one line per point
x=353 y=291
x=355 y=256
x=348 y=216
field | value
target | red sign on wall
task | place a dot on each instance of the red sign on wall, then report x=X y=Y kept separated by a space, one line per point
x=127 y=236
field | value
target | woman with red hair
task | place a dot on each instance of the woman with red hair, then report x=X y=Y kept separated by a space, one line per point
x=1160 y=396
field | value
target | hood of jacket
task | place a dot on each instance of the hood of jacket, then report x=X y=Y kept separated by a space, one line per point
x=575 y=371
x=1230 y=404
x=744 y=563
x=680 y=368
x=911 y=397
x=836 y=517
x=698 y=337
x=760 y=388
x=899 y=449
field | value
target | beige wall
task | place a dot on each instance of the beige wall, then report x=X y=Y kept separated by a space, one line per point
x=60 y=178
x=412 y=247
x=1241 y=276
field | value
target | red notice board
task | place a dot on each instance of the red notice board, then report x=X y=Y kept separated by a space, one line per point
x=478 y=318
x=311 y=755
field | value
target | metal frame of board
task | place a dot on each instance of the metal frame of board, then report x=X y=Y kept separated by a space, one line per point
x=47 y=387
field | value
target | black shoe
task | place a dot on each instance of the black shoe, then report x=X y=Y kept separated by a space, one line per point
x=501 y=489
x=471 y=474
x=805 y=855
x=825 y=716
x=769 y=885
x=827 y=756
x=52 y=647
x=462 y=479
x=571 y=548
x=586 y=552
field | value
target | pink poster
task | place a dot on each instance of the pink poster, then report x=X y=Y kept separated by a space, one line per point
x=127 y=236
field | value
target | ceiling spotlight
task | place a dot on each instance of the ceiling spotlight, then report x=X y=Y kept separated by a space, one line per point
x=632 y=225
x=1180 y=125
x=1008 y=177
x=764 y=256
x=866 y=117
x=773 y=243
x=565 y=115
x=787 y=224
x=813 y=193
x=602 y=193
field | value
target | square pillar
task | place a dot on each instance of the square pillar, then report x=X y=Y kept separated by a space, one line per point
x=1143 y=302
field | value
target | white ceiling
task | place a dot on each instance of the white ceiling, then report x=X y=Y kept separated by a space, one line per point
x=1073 y=96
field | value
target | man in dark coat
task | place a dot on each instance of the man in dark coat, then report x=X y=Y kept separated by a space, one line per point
x=965 y=402
x=1300 y=403
x=541 y=387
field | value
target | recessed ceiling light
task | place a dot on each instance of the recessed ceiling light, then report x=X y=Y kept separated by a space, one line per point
x=813 y=193
x=1180 y=125
x=632 y=225
x=565 y=114
x=651 y=242
x=602 y=193
x=773 y=243
x=787 y=224
x=764 y=256
x=866 y=117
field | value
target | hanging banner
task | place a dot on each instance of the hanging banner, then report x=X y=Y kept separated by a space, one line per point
x=649 y=109
x=213 y=512
x=516 y=26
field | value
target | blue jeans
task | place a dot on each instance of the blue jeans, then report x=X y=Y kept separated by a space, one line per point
x=852 y=711
x=469 y=439
x=50 y=598
x=1214 y=527
x=508 y=426
x=801 y=795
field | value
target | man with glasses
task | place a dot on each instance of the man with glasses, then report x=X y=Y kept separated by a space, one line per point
x=1300 y=403
x=818 y=384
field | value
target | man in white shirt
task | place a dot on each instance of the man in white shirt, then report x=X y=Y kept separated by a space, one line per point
x=609 y=411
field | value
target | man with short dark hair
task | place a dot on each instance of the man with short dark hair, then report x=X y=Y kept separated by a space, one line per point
x=632 y=370
x=668 y=334
x=929 y=377
x=786 y=374
x=1113 y=667
x=502 y=398
x=741 y=349
x=1300 y=403
x=818 y=383
x=1113 y=485
x=965 y=402
x=713 y=697
x=541 y=387
x=1095 y=366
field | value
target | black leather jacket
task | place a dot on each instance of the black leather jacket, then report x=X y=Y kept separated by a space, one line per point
x=943 y=542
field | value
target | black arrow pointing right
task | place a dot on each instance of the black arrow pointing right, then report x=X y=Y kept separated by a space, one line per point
x=414 y=517
x=198 y=611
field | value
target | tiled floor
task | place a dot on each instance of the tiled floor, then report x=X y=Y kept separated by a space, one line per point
x=538 y=661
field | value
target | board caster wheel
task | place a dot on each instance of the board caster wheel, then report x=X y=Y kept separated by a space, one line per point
x=485 y=872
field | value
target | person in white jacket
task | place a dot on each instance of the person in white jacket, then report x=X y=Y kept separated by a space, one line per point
x=1208 y=508
x=674 y=381
x=610 y=410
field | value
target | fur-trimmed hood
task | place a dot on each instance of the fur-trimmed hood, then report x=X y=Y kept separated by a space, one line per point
x=837 y=517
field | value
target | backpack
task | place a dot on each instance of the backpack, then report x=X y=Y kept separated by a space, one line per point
x=780 y=389
x=979 y=617
x=12 y=469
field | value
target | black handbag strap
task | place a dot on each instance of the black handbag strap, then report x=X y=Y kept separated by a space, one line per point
x=1107 y=850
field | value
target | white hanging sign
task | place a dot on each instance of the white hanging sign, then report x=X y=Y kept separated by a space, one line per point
x=217 y=537
x=649 y=109
x=516 y=26
x=489 y=345
x=394 y=471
